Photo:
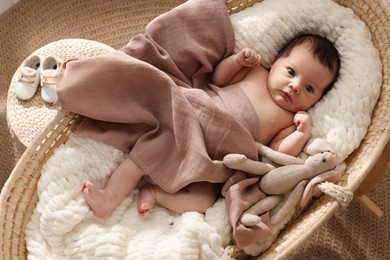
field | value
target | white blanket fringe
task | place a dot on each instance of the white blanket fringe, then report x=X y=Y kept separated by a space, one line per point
x=340 y=193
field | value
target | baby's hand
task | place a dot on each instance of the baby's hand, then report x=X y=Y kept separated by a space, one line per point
x=248 y=57
x=303 y=122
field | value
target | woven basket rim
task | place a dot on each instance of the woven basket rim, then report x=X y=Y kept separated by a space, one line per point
x=23 y=179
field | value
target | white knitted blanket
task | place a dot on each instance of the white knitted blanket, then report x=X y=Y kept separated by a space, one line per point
x=63 y=227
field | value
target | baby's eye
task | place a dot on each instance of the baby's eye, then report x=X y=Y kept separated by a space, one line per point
x=309 y=88
x=291 y=71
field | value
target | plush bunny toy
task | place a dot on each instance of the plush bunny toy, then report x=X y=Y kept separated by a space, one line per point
x=291 y=175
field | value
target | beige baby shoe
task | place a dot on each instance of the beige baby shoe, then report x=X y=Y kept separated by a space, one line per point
x=50 y=66
x=28 y=81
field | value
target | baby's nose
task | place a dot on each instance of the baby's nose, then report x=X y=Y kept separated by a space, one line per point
x=295 y=86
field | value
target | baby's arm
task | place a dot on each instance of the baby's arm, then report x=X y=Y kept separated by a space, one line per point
x=292 y=139
x=234 y=68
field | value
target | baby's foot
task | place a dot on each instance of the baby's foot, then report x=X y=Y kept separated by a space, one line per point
x=146 y=200
x=96 y=200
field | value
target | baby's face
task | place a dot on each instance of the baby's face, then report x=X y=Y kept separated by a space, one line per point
x=297 y=82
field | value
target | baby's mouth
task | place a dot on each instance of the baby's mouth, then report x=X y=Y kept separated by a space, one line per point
x=287 y=96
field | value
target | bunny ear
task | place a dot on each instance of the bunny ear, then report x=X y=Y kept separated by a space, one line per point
x=318 y=179
x=318 y=145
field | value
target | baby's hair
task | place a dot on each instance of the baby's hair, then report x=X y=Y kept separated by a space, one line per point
x=321 y=48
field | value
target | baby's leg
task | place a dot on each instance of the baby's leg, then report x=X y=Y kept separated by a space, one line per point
x=197 y=196
x=147 y=198
x=122 y=181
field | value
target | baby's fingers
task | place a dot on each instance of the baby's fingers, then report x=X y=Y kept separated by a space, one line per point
x=252 y=58
x=302 y=120
x=254 y=61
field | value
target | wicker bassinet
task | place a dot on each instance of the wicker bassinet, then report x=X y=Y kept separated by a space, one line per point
x=18 y=196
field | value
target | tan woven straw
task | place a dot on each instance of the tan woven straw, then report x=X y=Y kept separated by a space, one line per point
x=18 y=197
